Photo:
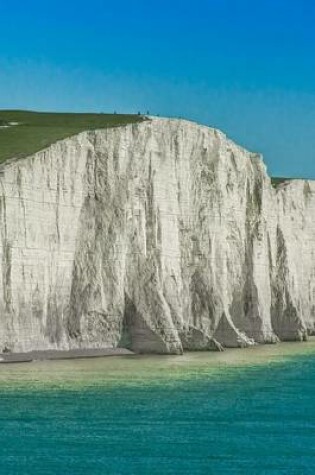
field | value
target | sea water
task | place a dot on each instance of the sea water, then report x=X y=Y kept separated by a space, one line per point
x=241 y=412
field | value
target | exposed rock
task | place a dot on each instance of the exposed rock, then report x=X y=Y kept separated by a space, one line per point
x=194 y=339
x=161 y=236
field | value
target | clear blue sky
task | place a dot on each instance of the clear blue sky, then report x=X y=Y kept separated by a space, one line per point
x=245 y=66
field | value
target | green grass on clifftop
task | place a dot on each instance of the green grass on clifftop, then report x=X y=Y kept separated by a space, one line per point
x=276 y=181
x=37 y=130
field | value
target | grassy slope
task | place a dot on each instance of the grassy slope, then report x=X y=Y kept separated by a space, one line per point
x=37 y=130
x=275 y=181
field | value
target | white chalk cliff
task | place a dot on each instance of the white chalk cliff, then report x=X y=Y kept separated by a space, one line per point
x=160 y=236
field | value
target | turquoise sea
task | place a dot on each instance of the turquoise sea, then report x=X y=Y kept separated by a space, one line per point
x=241 y=412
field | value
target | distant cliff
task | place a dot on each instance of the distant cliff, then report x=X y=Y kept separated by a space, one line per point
x=161 y=236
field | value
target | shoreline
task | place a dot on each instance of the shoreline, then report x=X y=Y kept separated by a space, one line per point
x=84 y=371
x=91 y=353
x=51 y=355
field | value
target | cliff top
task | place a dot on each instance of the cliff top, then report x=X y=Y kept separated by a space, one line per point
x=23 y=133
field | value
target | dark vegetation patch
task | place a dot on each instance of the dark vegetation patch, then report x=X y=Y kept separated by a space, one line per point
x=276 y=181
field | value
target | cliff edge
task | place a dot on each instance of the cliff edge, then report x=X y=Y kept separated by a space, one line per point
x=159 y=236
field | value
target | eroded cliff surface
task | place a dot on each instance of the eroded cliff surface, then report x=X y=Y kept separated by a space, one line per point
x=160 y=236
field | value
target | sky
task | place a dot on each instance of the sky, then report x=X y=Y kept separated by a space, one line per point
x=244 y=66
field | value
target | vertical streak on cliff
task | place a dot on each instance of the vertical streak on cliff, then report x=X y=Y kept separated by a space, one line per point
x=6 y=307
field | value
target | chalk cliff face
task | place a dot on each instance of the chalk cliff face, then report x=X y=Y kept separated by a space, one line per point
x=161 y=236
